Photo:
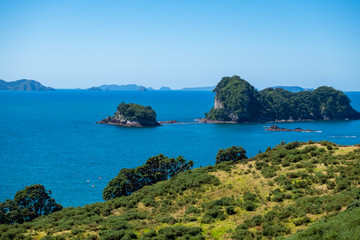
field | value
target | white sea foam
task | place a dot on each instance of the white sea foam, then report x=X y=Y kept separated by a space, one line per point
x=344 y=136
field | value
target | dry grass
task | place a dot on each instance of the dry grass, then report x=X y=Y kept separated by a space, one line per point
x=345 y=150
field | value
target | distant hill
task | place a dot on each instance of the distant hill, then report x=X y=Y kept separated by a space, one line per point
x=165 y=89
x=135 y=87
x=94 y=89
x=23 y=85
x=294 y=88
x=128 y=87
x=199 y=89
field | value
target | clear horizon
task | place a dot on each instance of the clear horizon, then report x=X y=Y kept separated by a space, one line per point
x=80 y=44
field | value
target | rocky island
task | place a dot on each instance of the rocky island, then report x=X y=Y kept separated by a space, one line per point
x=132 y=115
x=237 y=101
x=275 y=128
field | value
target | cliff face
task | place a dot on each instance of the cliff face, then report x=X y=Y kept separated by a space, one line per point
x=238 y=101
x=218 y=104
x=132 y=115
x=23 y=85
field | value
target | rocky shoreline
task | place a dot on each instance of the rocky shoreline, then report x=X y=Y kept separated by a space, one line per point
x=168 y=122
x=275 y=128
x=126 y=123
x=204 y=120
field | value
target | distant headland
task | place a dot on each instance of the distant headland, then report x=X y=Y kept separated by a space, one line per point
x=132 y=115
x=135 y=87
x=126 y=87
x=237 y=101
x=23 y=85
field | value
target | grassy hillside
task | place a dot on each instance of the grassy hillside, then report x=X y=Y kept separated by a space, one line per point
x=275 y=194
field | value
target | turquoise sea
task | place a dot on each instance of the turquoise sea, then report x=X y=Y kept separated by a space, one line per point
x=51 y=138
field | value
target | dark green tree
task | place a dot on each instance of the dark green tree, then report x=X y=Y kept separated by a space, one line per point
x=34 y=201
x=231 y=154
x=157 y=168
x=10 y=213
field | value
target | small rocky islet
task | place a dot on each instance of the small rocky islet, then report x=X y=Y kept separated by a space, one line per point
x=132 y=115
x=275 y=128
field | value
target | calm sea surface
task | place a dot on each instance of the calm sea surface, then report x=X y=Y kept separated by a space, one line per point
x=51 y=138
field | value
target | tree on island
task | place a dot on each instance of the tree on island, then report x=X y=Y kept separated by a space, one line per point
x=233 y=153
x=155 y=169
x=28 y=204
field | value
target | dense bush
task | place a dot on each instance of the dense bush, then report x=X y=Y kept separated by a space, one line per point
x=31 y=202
x=155 y=169
x=233 y=154
x=250 y=201
x=180 y=231
x=342 y=226
x=212 y=214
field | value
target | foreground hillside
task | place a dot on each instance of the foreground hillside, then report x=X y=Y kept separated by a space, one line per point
x=297 y=186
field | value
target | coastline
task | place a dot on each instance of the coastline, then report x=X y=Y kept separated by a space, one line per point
x=204 y=120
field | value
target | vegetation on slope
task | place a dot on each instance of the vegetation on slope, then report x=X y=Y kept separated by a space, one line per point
x=237 y=100
x=274 y=194
x=31 y=202
x=345 y=225
x=156 y=169
x=233 y=154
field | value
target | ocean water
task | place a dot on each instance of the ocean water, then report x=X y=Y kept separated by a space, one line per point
x=51 y=138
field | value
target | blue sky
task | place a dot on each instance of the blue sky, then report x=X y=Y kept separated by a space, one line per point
x=75 y=43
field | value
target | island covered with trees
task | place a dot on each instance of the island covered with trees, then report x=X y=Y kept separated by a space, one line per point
x=236 y=100
x=132 y=115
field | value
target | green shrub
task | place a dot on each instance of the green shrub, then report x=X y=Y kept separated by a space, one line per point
x=180 y=232
x=213 y=214
x=193 y=210
x=233 y=154
x=242 y=234
x=230 y=210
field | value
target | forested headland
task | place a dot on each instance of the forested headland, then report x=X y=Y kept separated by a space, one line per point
x=237 y=100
